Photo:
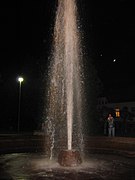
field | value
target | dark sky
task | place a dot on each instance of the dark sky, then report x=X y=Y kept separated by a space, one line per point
x=109 y=33
x=113 y=38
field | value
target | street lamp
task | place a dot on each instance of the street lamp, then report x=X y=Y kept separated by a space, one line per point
x=20 y=80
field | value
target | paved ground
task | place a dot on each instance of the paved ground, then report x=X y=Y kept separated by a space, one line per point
x=118 y=145
x=26 y=143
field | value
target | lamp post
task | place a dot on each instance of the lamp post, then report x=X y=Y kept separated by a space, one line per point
x=20 y=80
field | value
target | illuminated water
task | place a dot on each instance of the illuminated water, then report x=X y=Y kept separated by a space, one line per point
x=28 y=166
x=64 y=95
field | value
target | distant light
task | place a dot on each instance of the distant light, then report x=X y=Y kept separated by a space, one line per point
x=101 y=54
x=114 y=60
x=20 y=79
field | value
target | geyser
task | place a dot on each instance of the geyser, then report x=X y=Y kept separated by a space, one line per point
x=64 y=135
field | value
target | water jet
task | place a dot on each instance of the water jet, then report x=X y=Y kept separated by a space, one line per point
x=65 y=84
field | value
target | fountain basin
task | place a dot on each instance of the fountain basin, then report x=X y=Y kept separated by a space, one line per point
x=69 y=158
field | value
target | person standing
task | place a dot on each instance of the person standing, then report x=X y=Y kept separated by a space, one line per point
x=111 y=125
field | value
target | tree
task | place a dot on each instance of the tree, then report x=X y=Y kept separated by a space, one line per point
x=93 y=89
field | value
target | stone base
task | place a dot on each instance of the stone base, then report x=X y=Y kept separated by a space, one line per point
x=70 y=158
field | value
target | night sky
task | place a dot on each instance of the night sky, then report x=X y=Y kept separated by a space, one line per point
x=112 y=40
x=25 y=41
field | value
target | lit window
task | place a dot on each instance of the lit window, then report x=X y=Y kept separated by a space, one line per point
x=117 y=112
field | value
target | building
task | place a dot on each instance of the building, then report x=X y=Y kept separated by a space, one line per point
x=117 y=106
x=124 y=113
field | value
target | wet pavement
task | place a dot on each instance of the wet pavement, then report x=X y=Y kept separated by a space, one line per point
x=35 y=166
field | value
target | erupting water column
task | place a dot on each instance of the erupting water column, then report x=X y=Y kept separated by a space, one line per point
x=64 y=88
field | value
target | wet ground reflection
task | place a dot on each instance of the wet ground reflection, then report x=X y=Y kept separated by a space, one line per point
x=35 y=166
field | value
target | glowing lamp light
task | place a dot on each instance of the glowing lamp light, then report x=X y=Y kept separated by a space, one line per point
x=20 y=79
